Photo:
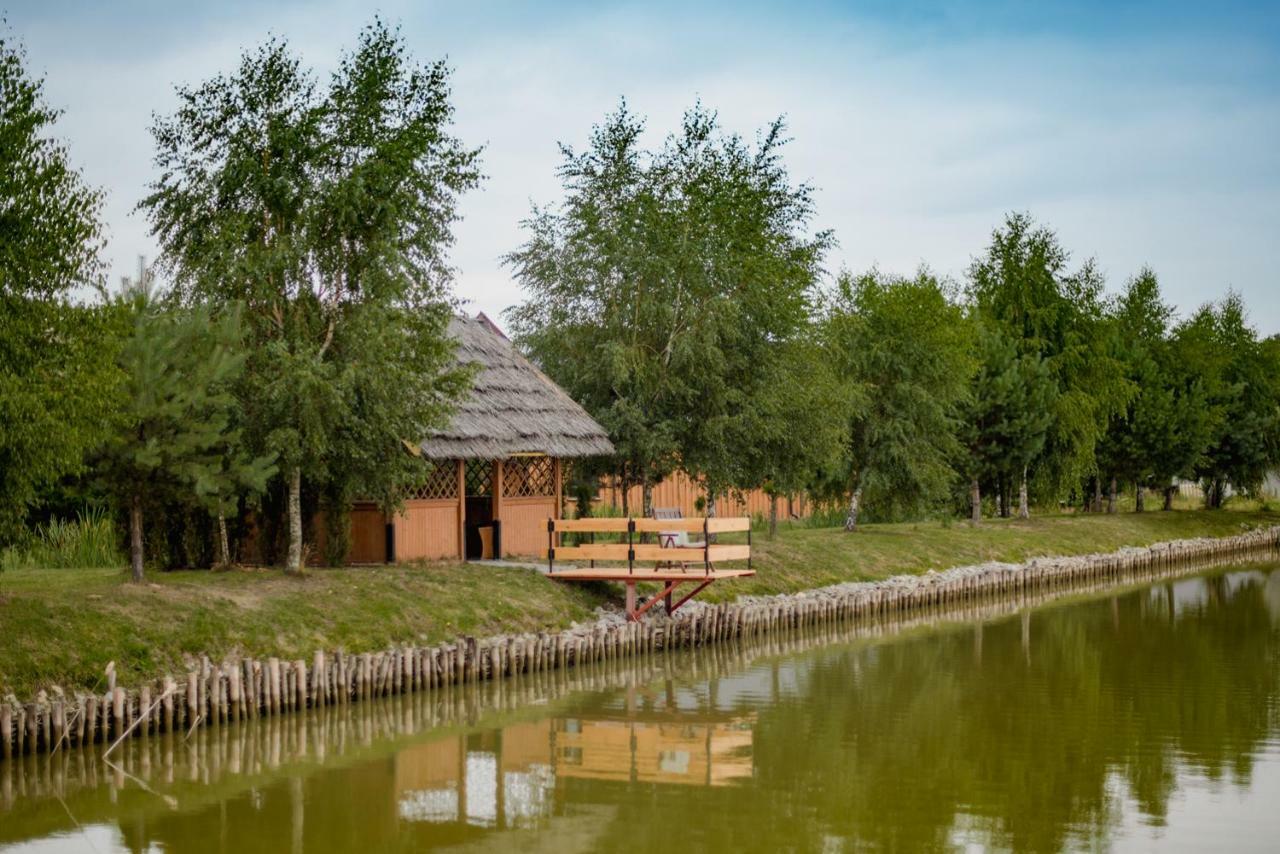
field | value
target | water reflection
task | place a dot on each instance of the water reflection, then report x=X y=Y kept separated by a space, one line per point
x=1142 y=718
x=508 y=778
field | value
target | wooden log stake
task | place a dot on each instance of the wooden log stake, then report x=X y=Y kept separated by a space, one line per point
x=6 y=730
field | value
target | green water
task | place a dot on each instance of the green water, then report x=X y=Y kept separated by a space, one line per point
x=1143 y=720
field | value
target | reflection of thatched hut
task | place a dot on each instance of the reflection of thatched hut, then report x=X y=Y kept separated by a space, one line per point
x=496 y=472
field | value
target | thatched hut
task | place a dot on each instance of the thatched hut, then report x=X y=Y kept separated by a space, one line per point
x=496 y=470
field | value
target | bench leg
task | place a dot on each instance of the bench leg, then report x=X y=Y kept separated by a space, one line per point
x=704 y=585
x=665 y=595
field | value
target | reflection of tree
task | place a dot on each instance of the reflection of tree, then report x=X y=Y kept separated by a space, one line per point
x=1024 y=746
x=1025 y=751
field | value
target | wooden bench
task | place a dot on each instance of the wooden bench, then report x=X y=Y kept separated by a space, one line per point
x=669 y=569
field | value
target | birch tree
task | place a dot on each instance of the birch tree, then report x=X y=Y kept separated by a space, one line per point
x=326 y=211
x=662 y=290
x=906 y=349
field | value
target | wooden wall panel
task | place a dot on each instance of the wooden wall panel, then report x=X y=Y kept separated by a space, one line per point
x=680 y=491
x=428 y=530
x=368 y=534
x=524 y=526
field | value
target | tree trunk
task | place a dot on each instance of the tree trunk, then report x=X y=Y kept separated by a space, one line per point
x=1006 y=507
x=1097 y=494
x=1139 y=497
x=975 y=502
x=855 y=502
x=1217 y=493
x=773 y=515
x=224 y=549
x=646 y=505
x=1024 y=508
x=1111 y=497
x=1168 y=497
x=293 y=564
x=135 y=536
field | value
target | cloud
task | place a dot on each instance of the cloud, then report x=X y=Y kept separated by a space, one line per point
x=1143 y=137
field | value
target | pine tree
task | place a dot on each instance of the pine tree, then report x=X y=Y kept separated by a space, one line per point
x=1006 y=417
x=175 y=435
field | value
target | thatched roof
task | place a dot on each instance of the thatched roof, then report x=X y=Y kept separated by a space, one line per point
x=514 y=408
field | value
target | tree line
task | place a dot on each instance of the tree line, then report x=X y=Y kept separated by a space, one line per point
x=679 y=293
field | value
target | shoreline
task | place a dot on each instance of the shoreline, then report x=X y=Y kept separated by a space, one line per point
x=245 y=688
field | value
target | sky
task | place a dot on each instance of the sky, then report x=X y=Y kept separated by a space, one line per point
x=1143 y=133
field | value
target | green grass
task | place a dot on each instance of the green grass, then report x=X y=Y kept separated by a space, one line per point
x=802 y=558
x=62 y=627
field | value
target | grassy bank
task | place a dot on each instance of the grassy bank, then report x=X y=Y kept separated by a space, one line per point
x=61 y=626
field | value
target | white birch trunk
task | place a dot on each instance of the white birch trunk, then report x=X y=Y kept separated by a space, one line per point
x=1024 y=507
x=855 y=503
x=975 y=502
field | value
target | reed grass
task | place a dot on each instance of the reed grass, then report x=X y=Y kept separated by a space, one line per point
x=90 y=541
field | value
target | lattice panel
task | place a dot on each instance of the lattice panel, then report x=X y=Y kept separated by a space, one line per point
x=441 y=483
x=526 y=477
x=479 y=477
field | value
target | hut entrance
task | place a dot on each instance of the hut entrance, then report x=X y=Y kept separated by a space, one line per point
x=480 y=527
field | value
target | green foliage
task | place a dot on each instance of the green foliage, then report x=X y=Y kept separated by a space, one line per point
x=87 y=542
x=805 y=407
x=905 y=349
x=1021 y=284
x=326 y=213
x=1006 y=418
x=1240 y=376
x=1167 y=426
x=177 y=436
x=662 y=291
x=57 y=373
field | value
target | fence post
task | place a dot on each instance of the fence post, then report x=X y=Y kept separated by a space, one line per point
x=706 y=544
x=631 y=548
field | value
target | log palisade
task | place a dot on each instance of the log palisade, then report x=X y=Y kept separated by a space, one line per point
x=219 y=693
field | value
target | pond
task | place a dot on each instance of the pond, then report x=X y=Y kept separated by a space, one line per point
x=1144 y=718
